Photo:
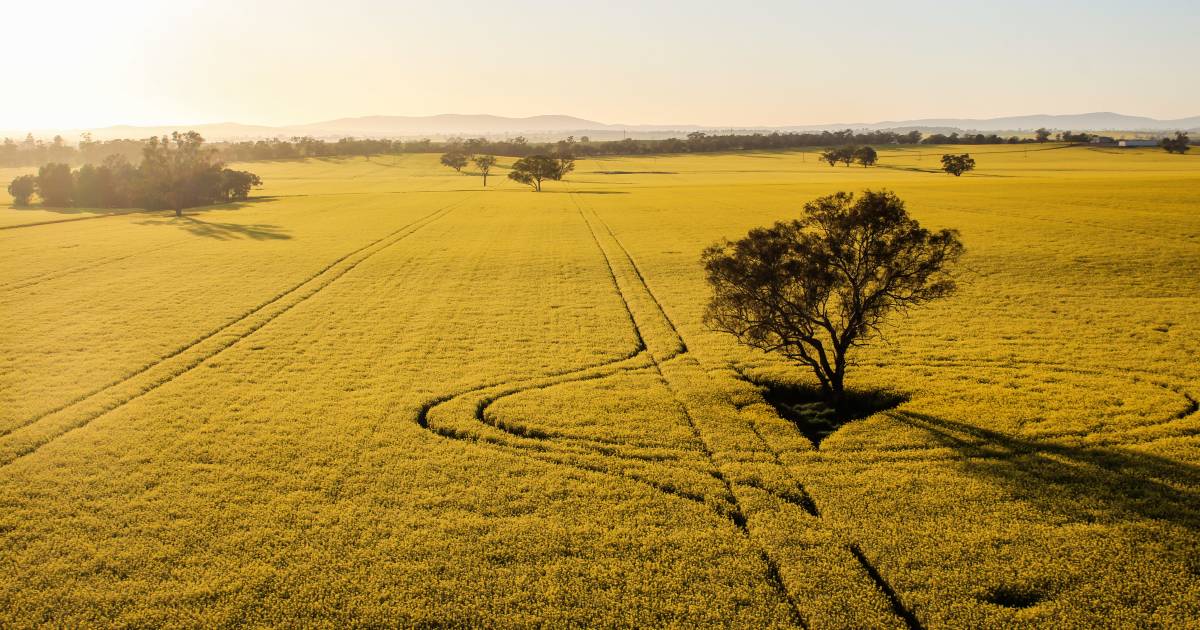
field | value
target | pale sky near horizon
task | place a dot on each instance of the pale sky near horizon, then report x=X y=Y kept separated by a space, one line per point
x=74 y=64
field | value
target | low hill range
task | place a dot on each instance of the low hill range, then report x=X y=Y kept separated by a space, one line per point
x=548 y=127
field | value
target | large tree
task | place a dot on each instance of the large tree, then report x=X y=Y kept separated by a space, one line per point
x=455 y=160
x=533 y=170
x=815 y=288
x=956 y=165
x=179 y=172
x=22 y=189
x=55 y=185
x=867 y=156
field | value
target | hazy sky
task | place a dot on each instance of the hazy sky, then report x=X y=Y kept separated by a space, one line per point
x=77 y=64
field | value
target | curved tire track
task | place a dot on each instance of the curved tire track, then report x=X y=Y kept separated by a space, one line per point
x=732 y=510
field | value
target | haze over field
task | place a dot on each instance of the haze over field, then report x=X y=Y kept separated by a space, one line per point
x=555 y=127
x=537 y=314
x=763 y=64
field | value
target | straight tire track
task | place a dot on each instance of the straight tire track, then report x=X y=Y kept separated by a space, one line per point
x=31 y=435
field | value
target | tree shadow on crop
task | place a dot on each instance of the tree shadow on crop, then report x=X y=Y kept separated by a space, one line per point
x=72 y=210
x=805 y=406
x=222 y=231
x=1087 y=484
x=587 y=192
x=935 y=171
x=635 y=172
x=231 y=205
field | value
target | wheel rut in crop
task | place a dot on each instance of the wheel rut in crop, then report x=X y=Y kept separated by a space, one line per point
x=465 y=416
x=34 y=433
x=48 y=276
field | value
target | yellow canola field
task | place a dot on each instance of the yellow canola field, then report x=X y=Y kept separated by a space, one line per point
x=380 y=394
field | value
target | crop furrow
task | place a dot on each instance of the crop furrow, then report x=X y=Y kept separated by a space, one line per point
x=54 y=275
x=804 y=501
x=37 y=432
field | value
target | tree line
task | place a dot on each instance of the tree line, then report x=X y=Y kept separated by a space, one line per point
x=865 y=156
x=31 y=152
x=175 y=172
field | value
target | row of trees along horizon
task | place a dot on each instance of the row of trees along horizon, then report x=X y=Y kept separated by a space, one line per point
x=179 y=172
x=34 y=152
x=174 y=173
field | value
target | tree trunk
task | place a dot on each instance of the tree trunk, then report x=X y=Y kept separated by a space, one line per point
x=837 y=390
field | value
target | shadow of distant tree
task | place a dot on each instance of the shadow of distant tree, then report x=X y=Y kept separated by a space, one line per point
x=223 y=231
x=1087 y=484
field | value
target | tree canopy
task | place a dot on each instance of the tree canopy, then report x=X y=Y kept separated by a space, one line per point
x=814 y=288
x=22 y=189
x=866 y=156
x=847 y=155
x=956 y=165
x=533 y=170
x=484 y=163
x=455 y=160
x=175 y=172
x=1179 y=144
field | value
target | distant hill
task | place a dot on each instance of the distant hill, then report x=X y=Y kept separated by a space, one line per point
x=450 y=123
x=559 y=126
x=1095 y=121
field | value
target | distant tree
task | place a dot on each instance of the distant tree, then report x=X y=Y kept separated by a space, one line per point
x=533 y=170
x=473 y=145
x=93 y=185
x=55 y=185
x=126 y=182
x=1179 y=144
x=815 y=288
x=22 y=189
x=845 y=155
x=831 y=156
x=564 y=164
x=236 y=185
x=179 y=172
x=485 y=163
x=1042 y=134
x=866 y=156
x=956 y=165
x=455 y=160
